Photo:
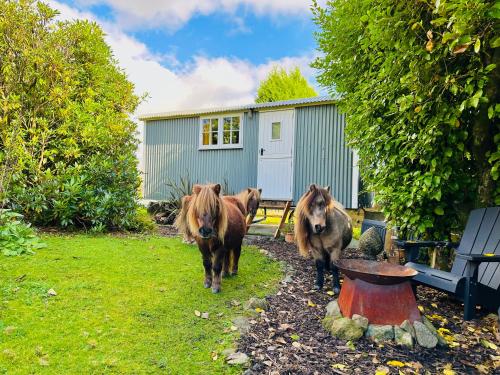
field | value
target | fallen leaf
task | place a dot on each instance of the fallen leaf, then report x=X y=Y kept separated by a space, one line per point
x=295 y=337
x=488 y=345
x=421 y=308
x=43 y=361
x=234 y=328
x=52 y=292
x=382 y=370
x=483 y=369
x=350 y=345
x=215 y=356
x=339 y=366
x=197 y=313
x=470 y=329
x=396 y=363
x=330 y=293
x=259 y=310
x=311 y=303
x=448 y=370
x=434 y=305
x=296 y=344
x=204 y=315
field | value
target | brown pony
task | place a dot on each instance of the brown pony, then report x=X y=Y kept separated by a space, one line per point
x=247 y=201
x=324 y=229
x=218 y=228
x=250 y=199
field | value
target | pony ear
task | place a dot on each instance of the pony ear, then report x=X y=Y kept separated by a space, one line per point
x=313 y=188
x=216 y=188
x=196 y=189
x=260 y=191
x=249 y=190
x=327 y=188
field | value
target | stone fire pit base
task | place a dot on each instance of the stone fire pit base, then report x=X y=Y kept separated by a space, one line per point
x=406 y=334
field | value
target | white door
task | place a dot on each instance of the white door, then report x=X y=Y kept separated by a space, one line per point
x=275 y=165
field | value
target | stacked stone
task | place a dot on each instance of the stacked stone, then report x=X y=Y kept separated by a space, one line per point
x=407 y=334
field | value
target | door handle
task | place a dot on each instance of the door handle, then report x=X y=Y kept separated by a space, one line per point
x=262 y=151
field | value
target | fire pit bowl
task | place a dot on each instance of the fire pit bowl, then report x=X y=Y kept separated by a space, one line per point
x=378 y=291
x=375 y=272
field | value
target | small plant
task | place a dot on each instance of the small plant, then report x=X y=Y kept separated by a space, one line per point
x=17 y=237
x=165 y=211
x=288 y=227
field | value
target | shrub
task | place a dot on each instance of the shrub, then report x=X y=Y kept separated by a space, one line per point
x=67 y=143
x=16 y=237
x=419 y=83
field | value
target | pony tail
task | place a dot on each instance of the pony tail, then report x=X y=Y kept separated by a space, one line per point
x=300 y=227
x=181 y=220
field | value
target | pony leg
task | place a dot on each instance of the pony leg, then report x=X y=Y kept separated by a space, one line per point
x=335 y=255
x=219 y=256
x=320 y=274
x=207 y=264
x=227 y=262
x=236 y=259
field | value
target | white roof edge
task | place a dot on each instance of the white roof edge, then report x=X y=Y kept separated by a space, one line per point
x=255 y=106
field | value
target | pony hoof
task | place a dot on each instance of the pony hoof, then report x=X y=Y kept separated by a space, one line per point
x=215 y=290
x=207 y=284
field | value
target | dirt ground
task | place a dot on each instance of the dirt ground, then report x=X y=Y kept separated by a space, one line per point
x=296 y=312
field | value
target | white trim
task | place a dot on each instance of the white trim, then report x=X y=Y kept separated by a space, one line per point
x=220 y=132
x=355 y=179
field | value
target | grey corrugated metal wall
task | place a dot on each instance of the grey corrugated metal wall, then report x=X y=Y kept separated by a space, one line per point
x=321 y=155
x=171 y=152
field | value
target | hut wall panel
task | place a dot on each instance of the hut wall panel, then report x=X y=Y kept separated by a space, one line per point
x=321 y=155
x=171 y=152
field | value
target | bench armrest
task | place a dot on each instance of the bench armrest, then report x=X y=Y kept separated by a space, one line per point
x=479 y=258
x=406 y=244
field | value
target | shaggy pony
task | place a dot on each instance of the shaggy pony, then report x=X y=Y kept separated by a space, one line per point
x=322 y=229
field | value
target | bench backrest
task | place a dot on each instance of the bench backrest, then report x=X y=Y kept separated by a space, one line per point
x=481 y=235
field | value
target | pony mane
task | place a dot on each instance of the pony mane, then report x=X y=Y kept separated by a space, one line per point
x=245 y=194
x=207 y=201
x=301 y=227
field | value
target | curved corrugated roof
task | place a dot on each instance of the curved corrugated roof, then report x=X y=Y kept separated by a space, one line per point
x=255 y=106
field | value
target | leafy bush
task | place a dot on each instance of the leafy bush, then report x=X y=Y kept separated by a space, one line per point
x=67 y=143
x=16 y=237
x=419 y=83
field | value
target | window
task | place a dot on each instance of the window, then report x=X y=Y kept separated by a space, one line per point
x=221 y=132
x=276 y=131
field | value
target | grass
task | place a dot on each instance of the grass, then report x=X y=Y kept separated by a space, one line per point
x=124 y=305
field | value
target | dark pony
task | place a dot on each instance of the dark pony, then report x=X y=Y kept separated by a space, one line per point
x=323 y=229
x=218 y=228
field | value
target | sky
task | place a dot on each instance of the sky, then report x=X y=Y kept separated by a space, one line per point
x=201 y=53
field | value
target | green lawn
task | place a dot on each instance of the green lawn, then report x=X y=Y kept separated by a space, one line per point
x=124 y=305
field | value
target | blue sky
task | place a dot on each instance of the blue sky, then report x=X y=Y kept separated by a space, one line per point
x=201 y=53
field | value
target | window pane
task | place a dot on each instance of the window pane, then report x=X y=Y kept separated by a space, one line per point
x=276 y=130
x=214 y=138
x=235 y=137
x=227 y=137
x=206 y=138
x=236 y=123
x=227 y=123
x=206 y=125
x=215 y=124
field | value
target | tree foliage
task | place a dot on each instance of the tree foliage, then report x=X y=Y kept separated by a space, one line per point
x=419 y=85
x=66 y=140
x=283 y=85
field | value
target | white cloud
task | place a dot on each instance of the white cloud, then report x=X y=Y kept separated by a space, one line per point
x=171 y=14
x=204 y=82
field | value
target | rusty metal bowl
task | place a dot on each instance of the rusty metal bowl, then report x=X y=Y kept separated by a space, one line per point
x=375 y=272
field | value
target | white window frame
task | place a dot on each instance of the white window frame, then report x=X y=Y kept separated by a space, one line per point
x=220 y=132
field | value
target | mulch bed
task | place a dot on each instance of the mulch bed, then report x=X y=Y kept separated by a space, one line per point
x=291 y=313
